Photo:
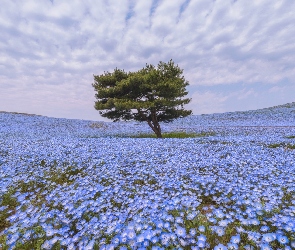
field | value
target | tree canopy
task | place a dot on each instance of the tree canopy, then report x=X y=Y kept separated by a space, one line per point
x=151 y=94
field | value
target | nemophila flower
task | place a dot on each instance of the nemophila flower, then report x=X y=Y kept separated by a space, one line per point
x=159 y=224
x=180 y=231
x=254 y=222
x=223 y=223
x=140 y=238
x=202 y=237
x=146 y=243
x=192 y=241
x=265 y=246
x=173 y=236
x=179 y=220
x=130 y=233
x=12 y=238
x=212 y=220
x=282 y=239
x=232 y=246
x=235 y=239
x=182 y=242
x=109 y=247
x=54 y=240
x=248 y=247
x=165 y=238
x=123 y=239
x=157 y=248
x=201 y=243
x=288 y=228
x=148 y=234
x=46 y=245
x=191 y=216
x=240 y=229
x=220 y=247
x=169 y=218
x=259 y=212
x=219 y=214
x=118 y=160
x=138 y=227
x=50 y=232
x=192 y=231
x=116 y=239
x=155 y=239
x=264 y=228
x=258 y=205
x=244 y=222
x=218 y=230
x=71 y=246
x=268 y=237
x=166 y=225
x=201 y=228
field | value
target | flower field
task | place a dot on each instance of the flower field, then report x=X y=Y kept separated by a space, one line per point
x=73 y=184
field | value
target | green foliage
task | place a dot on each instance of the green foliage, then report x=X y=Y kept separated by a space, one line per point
x=7 y=200
x=286 y=146
x=275 y=145
x=150 y=94
x=179 y=135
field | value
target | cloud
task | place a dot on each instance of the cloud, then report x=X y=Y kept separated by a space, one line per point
x=52 y=48
x=207 y=102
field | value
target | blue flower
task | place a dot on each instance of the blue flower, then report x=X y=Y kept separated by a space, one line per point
x=155 y=239
x=192 y=232
x=180 y=231
x=218 y=230
x=265 y=246
x=46 y=245
x=201 y=228
x=235 y=239
x=282 y=239
x=268 y=237
x=201 y=243
x=219 y=214
x=220 y=247
x=264 y=228
x=232 y=246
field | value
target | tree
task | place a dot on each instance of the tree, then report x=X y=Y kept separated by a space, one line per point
x=151 y=94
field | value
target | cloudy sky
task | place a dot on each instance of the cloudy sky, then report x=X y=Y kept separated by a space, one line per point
x=236 y=54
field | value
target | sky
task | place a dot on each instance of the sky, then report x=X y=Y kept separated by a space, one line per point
x=236 y=54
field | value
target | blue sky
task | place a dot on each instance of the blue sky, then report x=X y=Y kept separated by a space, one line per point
x=237 y=55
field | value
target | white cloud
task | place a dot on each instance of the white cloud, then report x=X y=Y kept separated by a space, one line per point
x=59 y=45
x=208 y=102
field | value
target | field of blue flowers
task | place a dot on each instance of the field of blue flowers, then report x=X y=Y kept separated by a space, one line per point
x=74 y=184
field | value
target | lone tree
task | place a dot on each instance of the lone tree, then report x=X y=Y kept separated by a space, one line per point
x=151 y=94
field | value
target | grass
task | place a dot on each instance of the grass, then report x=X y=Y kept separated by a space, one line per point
x=175 y=134
x=8 y=201
x=290 y=137
x=277 y=145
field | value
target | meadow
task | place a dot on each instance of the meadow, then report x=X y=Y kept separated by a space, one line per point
x=227 y=181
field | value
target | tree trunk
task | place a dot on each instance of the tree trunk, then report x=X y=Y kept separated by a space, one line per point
x=158 y=132
x=154 y=124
